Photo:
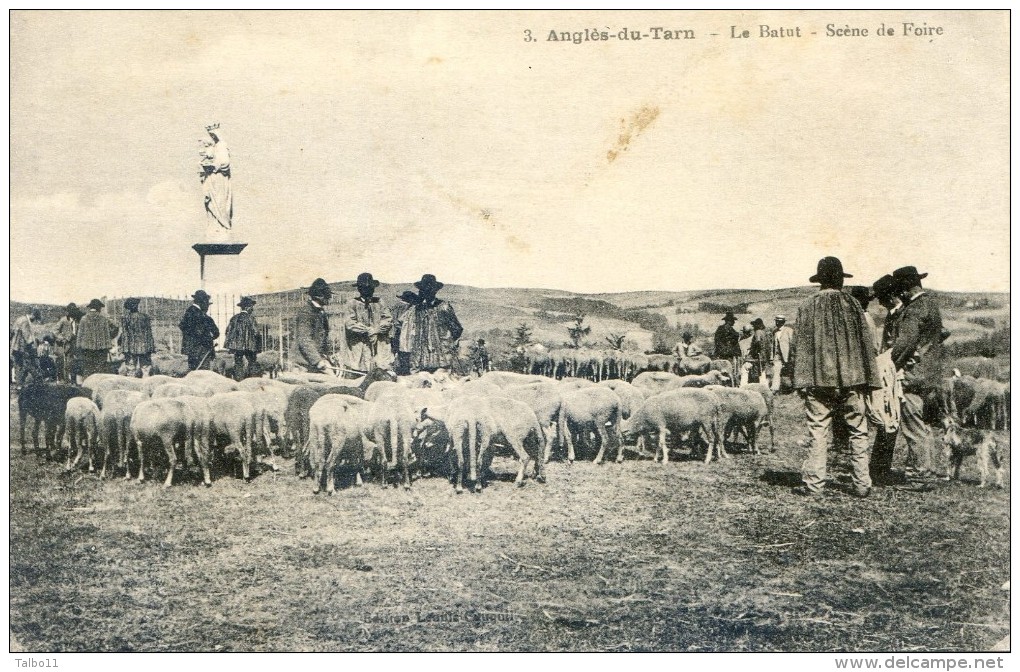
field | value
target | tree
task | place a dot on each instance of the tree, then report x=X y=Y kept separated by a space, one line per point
x=578 y=331
x=522 y=336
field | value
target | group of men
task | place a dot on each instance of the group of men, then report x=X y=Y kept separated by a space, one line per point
x=81 y=343
x=879 y=385
x=755 y=352
x=422 y=336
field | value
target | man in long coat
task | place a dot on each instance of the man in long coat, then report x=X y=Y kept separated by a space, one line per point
x=310 y=348
x=727 y=344
x=918 y=355
x=199 y=332
x=24 y=345
x=136 y=340
x=64 y=338
x=94 y=340
x=835 y=370
x=760 y=351
x=367 y=323
x=429 y=330
x=242 y=338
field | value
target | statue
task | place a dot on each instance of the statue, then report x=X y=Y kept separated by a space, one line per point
x=215 y=176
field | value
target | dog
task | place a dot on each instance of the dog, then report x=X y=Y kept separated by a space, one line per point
x=959 y=442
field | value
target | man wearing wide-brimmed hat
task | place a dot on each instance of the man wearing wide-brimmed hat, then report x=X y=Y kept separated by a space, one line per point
x=430 y=329
x=136 y=340
x=835 y=369
x=727 y=343
x=63 y=342
x=918 y=355
x=782 y=355
x=94 y=340
x=199 y=332
x=310 y=349
x=367 y=325
x=242 y=338
x=760 y=351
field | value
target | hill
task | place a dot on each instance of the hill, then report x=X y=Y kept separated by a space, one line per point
x=648 y=319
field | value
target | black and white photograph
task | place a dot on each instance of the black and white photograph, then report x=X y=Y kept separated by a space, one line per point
x=510 y=331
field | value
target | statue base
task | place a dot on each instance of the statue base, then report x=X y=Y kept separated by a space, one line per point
x=219 y=272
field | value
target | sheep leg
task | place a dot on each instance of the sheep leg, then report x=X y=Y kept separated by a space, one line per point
x=461 y=442
x=603 y=440
x=171 y=456
x=73 y=444
x=568 y=438
x=91 y=433
x=663 y=446
x=522 y=460
x=141 y=456
x=996 y=463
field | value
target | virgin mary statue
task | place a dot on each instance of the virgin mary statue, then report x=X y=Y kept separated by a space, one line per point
x=215 y=176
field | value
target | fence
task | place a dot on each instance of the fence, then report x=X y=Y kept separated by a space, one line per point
x=275 y=313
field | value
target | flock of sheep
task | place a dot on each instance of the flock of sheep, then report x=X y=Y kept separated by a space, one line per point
x=435 y=423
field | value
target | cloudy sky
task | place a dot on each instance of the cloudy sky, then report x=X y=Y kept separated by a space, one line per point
x=404 y=142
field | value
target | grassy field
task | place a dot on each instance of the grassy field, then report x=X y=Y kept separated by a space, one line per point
x=631 y=557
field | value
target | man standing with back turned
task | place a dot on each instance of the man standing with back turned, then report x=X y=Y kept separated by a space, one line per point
x=834 y=371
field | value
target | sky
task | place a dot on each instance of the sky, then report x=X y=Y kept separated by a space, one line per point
x=404 y=143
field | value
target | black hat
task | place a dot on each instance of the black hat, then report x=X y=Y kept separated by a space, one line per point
x=319 y=288
x=95 y=304
x=246 y=302
x=686 y=336
x=758 y=322
x=201 y=296
x=366 y=280
x=907 y=277
x=73 y=311
x=885 y=286
x=862 y=293
x=409 y=297
x=729 y=316
x=481 y=341
x=131 y=303
x=829 y=268
x=428 y=281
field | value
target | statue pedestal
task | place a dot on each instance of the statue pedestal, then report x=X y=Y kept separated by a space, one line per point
x=219 y=269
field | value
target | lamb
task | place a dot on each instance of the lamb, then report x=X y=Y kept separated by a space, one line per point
x=740 y=409
x=45 y=403
x=546 y=401
x=504 y=378
x=81 y=420
x=212 y=380
x=590 y=410
x=202 y=433
x=169 y=364
x=152 y=382
x=474 y=423
x=269 y=362
x=656 y=382
x=166 y=421
x=959 y=443
x=705 y=379
x=102 y=387
x=115 y=424
x=392 y=424
x=235 y=416
x=766 y=393
x=630 y=397
x=676 y=411
x=695 y=365
x=338 y=425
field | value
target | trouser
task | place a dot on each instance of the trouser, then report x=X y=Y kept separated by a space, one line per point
x=820 y=405
x=137 y=365
x=244 y=364
x=882 y=454
x=94 y=361
x=916 y=432
x=23 y=363
x=202 y=361
x=403 y=364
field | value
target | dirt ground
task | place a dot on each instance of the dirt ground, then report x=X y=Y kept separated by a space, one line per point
x=638 y=556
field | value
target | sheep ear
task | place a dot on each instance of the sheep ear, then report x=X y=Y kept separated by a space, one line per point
x=424 y=413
